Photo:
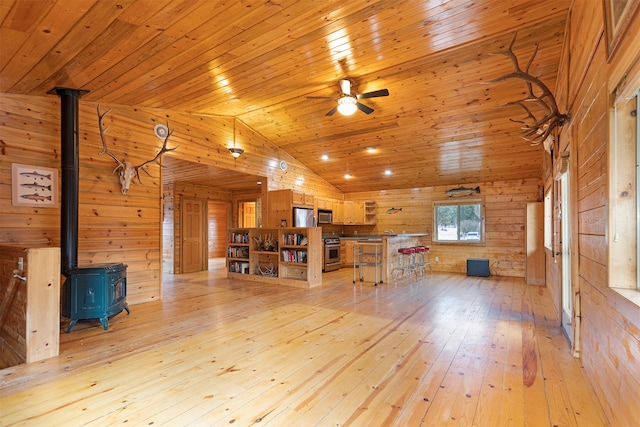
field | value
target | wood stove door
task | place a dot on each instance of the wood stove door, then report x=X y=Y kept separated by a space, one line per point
x=193 y=235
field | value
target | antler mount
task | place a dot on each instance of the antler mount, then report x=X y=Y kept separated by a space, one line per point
x=537 y=131
x=126 y=170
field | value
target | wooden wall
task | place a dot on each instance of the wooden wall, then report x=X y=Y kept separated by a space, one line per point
x=125 y=228
x=609 y=325
x=505 y=219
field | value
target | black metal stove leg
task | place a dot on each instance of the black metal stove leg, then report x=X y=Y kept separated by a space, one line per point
x=73 y=322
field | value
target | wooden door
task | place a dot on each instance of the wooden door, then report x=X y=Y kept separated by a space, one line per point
x=535 y=259
x=193 y=235
x=248 y=214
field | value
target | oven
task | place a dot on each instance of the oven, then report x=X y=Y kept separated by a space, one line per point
x=331 y=254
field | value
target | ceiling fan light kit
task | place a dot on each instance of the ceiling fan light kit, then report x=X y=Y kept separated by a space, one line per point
x=347 y=105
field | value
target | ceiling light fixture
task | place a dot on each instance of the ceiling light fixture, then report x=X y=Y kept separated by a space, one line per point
x=347 y=105
x=235 y=151
x=370 y=149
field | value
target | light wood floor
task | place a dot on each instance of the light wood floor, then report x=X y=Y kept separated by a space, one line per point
x=450 y=350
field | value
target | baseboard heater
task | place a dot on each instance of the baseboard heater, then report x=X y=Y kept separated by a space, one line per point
x=478 y=267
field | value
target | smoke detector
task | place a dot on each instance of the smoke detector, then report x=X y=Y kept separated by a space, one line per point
x=161 y=131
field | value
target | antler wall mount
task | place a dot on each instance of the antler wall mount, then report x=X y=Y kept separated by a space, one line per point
x=536 y=131
x=126 y=170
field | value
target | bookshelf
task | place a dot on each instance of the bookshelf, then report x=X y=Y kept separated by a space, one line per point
x=238 y=252
x=289 y=256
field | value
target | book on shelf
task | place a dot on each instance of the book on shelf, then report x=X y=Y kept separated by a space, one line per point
x=295 y=239
x=294 y=256
x=238 y=252
x=239 y=267
x=239 y=238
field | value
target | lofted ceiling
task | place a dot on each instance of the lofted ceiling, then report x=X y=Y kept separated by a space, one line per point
x=442 y=124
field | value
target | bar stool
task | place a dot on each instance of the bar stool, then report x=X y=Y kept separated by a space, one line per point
x=406 y=262
x=421 y=261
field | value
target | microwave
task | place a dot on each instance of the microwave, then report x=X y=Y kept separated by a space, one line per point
x=325 y=216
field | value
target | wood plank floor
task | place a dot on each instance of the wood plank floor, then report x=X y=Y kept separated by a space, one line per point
x=448 y=350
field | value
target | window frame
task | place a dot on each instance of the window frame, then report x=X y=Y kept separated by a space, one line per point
x=459 y=202
x=623 y=271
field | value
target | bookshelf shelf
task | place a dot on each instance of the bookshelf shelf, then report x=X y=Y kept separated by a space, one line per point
x=288 y=256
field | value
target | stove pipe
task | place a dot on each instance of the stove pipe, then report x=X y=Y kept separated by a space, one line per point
x=70 y=163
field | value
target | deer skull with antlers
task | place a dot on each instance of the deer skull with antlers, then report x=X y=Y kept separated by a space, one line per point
x=125 y=169
x=535 y=130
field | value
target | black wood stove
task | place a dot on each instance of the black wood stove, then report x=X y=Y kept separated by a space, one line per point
x=97 y=291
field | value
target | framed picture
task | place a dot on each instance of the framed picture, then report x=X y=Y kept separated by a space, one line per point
x=34 y=186
x=617 y=14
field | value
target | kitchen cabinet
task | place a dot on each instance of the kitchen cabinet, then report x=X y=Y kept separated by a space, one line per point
x=280 y=204
x=302 y=199
x=354 y=212
x=349 y=212
x=348 y=253
x=338 y=212
x=322 y=203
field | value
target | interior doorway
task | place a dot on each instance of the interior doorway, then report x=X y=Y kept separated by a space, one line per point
x=217 y=224
x=247 y=214
x=565 y=225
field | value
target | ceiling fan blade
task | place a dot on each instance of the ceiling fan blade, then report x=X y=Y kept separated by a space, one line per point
x=332 y=111
x=345 y=85
x=374 y=94
x=364 y=108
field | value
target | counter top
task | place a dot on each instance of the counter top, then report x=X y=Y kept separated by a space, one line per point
x=370 y=237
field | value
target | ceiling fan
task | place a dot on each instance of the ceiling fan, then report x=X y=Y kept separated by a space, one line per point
x=348 y=103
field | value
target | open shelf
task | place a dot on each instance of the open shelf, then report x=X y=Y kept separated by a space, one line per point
x=289 y=256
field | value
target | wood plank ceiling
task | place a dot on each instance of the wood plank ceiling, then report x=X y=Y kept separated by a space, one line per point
x=442 y=124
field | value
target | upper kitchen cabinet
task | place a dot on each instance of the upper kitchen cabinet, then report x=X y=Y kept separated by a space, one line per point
x=280 y=204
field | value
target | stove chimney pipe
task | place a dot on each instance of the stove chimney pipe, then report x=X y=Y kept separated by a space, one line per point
x=70 y=163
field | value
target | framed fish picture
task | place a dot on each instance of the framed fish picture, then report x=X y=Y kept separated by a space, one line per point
x=34 y=186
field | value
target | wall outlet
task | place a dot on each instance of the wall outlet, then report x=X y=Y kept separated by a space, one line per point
x=437 y=258
x=495 y=262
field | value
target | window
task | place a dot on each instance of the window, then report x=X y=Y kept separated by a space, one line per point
x=548 y=220
x=458 y=221
x=624 y=251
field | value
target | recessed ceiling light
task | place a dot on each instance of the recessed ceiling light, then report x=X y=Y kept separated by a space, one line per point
x=347 y=176
x=371 y=149
x=324 y=157
x=387 y=172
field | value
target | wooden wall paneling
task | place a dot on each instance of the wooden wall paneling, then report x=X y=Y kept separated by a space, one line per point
x=585 y=27
x=608 y=323
x=505 y=215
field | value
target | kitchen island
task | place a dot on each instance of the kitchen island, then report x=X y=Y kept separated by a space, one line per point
x=390 y=243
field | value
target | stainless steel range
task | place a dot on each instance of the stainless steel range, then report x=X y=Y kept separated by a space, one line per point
x=331 y=255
